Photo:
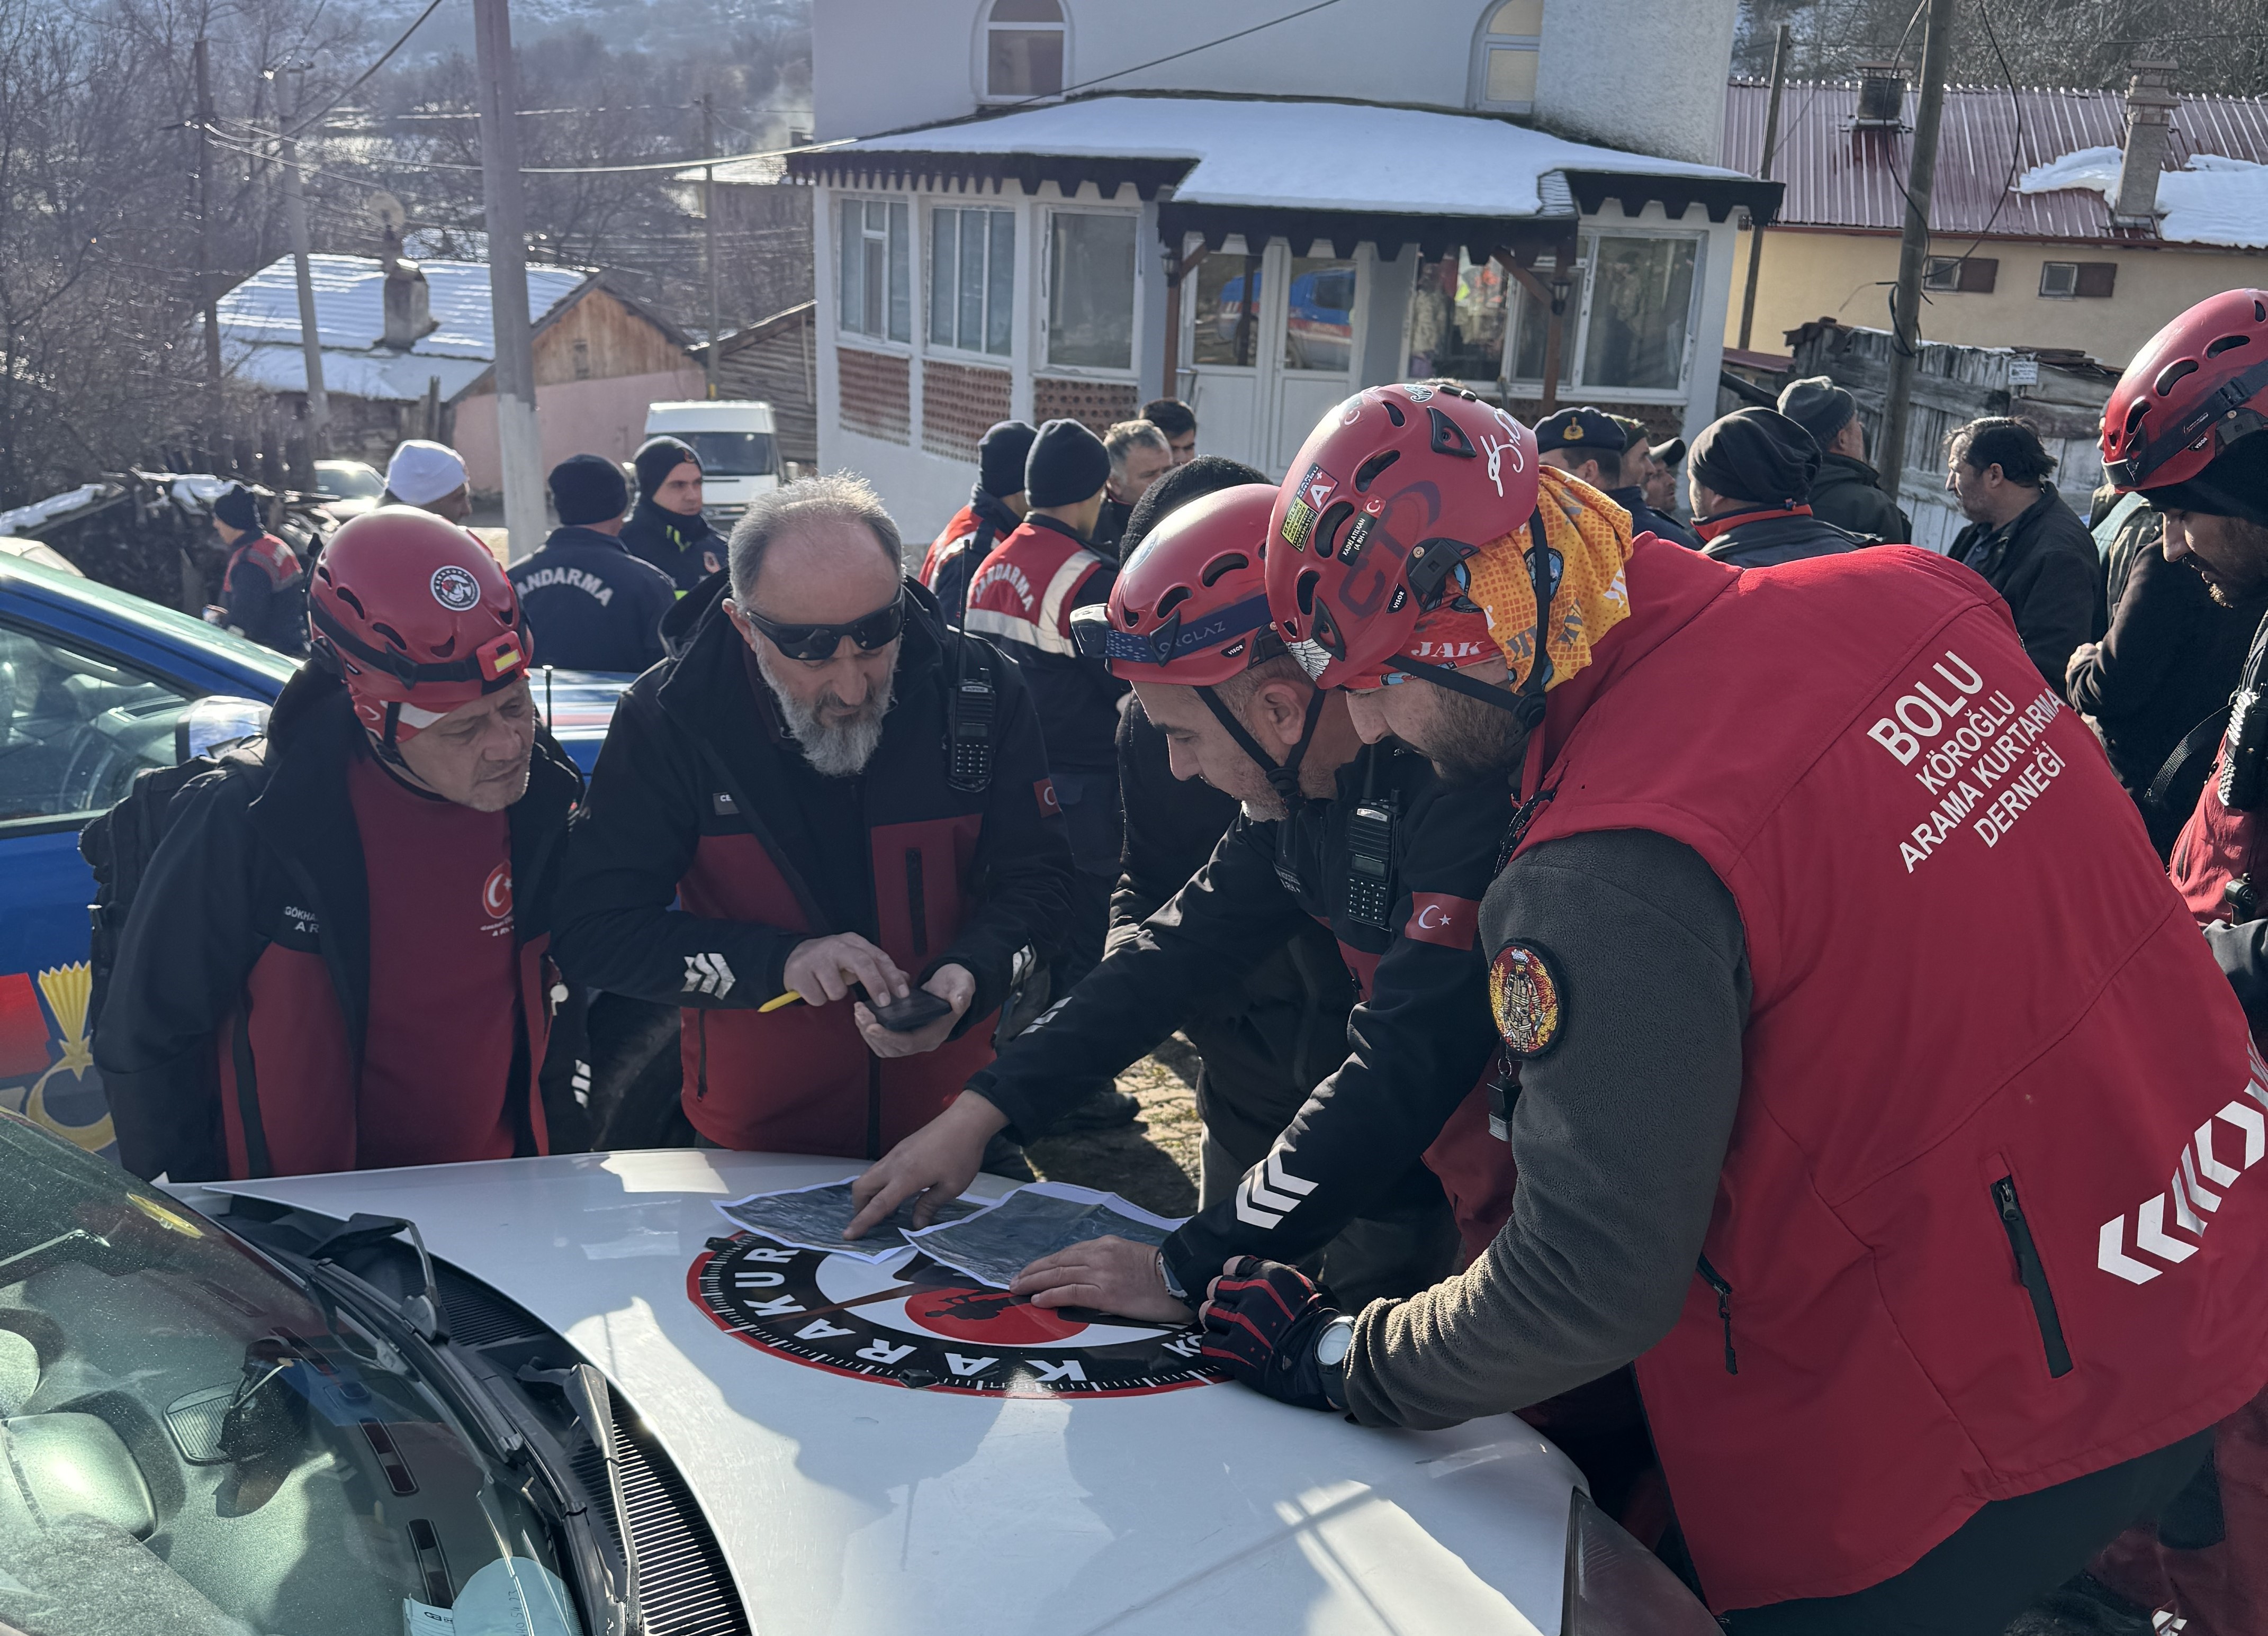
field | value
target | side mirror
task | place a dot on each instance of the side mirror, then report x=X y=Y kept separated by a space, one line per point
x=216 y=722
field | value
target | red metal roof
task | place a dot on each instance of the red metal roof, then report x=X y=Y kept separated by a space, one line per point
x=1838 y=176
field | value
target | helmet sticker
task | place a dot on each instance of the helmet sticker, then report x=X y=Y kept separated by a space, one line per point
x=454 y=588
x=1299 y=523
x=1418 y=394
x=1356 y=538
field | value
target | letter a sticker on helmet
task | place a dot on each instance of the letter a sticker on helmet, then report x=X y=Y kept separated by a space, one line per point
x=1524 y=994
x=454 y=588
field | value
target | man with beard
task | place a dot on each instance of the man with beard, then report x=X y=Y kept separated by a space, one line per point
x=1845 y=1103
x=668 y=527
x=2024 y=540
x=827 y=804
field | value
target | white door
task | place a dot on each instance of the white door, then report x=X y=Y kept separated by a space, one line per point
x=1261 y=372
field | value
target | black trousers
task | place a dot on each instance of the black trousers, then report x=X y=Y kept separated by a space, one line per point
x=1998 y=1563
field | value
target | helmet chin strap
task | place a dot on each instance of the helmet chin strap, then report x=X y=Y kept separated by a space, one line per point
x=1283 y=776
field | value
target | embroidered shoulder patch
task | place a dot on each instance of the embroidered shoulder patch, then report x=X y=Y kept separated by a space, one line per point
x=1525 y=994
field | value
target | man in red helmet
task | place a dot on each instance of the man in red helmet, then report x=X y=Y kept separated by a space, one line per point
x=336 y=959
x=2187 y=427
x=1369 y=842
x=1856 y=1031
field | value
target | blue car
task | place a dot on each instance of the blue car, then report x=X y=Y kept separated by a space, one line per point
x=95 y=685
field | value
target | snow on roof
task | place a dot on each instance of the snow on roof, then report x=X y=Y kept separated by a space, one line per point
x=259 y=325
x=1336 y=156
x=41 y=512
x=2215 y=201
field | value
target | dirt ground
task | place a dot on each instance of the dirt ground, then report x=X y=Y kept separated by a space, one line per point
x=1153 y=1162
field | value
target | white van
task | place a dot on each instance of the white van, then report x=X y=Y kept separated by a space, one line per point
x=735 y=439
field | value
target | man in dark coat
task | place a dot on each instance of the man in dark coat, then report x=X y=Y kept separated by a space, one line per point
x=668 y=528
x=1751 y=476
x=591 y=605
x=1847 y=492
x=2167 y=664
x=2024 y=540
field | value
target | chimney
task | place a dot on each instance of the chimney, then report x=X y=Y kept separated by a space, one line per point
x=2150 y=103
x=1881 y=96
x=409 y=310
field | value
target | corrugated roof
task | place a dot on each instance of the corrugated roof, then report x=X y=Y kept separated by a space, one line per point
x=1839 y=176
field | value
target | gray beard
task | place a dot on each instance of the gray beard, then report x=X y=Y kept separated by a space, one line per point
x=835 y=750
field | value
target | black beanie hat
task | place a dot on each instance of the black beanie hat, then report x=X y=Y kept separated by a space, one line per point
x=656 y=457
x=1208 y=473
x=1068 y=464
x=1000 y=458
x=2234 y=485
x=1756 y=454
x=586 y=488
x=237 y=509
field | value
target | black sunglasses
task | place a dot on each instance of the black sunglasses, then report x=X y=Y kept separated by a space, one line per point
x=814 y=642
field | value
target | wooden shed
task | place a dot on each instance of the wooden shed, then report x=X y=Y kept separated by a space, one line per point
x=775 y=362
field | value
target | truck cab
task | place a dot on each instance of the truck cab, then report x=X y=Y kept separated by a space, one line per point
x=735 y=442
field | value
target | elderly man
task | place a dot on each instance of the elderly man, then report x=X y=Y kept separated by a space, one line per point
x=430 y=476
x=827 y=806
x=1139 y=455
x=1847 y=492
x=1750 y=477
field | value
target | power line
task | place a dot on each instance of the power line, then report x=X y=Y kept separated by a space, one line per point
x=359 y=80
x=1174 y=57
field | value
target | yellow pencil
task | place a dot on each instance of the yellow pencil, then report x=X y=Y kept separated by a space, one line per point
x=787 y=998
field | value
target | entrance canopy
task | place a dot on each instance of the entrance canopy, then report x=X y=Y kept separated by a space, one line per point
x=1343 y=173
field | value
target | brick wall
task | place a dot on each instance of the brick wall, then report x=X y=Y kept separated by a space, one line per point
x=876 y=390
x=1098 y=403
x=957 y=403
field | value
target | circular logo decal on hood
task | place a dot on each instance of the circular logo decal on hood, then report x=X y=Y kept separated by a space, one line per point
x=454 y=588
x=911 y=1322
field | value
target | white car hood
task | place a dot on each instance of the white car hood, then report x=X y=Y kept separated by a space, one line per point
x=856 y=1506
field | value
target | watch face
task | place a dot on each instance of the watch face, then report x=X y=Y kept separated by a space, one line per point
x=1337 y=1341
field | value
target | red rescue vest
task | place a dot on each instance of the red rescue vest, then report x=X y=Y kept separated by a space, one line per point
x=949 y=539
x=1994 y=1088
x=1022 y=591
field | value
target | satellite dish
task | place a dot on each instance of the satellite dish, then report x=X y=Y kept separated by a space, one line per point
x=386 y=211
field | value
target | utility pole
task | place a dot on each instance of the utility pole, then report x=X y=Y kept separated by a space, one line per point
x=208 y=295
x=519 y=441
x=295 y=212
x=1914 y=245
x=1771 y=152
x=709 y=214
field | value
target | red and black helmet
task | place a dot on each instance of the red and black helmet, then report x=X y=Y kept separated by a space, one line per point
x=1190 y=606
x=2201 y=384
x=419 y=618
x=1391 y=491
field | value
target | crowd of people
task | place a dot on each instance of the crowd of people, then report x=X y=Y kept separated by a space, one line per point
x=1711 y=984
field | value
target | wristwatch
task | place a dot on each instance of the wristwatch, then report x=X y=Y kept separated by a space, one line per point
x=1332 y=1349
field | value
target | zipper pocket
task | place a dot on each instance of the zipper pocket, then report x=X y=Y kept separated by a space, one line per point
x=1724 y=1292
x=2032 y=1275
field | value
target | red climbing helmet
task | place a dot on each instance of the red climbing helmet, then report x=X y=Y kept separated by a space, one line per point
x=417 y=616
x=1391 y=491
x=1190 y=606
x=2201 y=383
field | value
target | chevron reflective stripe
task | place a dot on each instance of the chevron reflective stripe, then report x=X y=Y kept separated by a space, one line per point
x=2202 y=1159
x=708 y=975
x=1266 y=1202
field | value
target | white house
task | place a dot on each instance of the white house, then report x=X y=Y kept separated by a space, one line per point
x=1013 y=216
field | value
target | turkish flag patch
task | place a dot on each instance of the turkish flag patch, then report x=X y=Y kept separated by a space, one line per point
x=1044 y=789
x=1437 y=917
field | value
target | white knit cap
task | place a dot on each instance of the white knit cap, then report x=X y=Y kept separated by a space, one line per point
x=422 y=472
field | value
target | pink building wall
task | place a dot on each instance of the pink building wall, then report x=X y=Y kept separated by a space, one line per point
x=601 y=417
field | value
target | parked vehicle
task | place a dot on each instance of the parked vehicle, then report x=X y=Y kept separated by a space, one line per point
x=349 y=488
x=96 y=685
x=736 y=441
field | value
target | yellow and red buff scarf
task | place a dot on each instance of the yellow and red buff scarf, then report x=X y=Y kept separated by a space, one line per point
x=1589 y=538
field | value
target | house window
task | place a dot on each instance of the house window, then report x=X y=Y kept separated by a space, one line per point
x=972 y=279
x=1223 y=323
x=1505 y=56
x=1319 y=330
x=875 y=283
x=1091 y=291
x=1967 y=275
x=1641 y=308
x=2067 y=279
x=1457 y=320
x=1024 y=49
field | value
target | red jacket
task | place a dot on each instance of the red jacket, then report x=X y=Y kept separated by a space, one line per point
x=1947 y=1264
x=701 y=798
x=1022 y=598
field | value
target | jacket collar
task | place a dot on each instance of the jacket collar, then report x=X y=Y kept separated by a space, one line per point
x=1710 y=527
x=587 y=539
x=1057 y=525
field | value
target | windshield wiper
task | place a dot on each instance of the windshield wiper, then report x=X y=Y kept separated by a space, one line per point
x=422 y=1309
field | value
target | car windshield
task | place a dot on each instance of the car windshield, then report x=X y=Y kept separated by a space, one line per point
x=734 y=454
x=349 y=480
x=190 y=1444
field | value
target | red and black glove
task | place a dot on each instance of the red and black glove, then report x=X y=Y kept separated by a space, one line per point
x=1261 y=1320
